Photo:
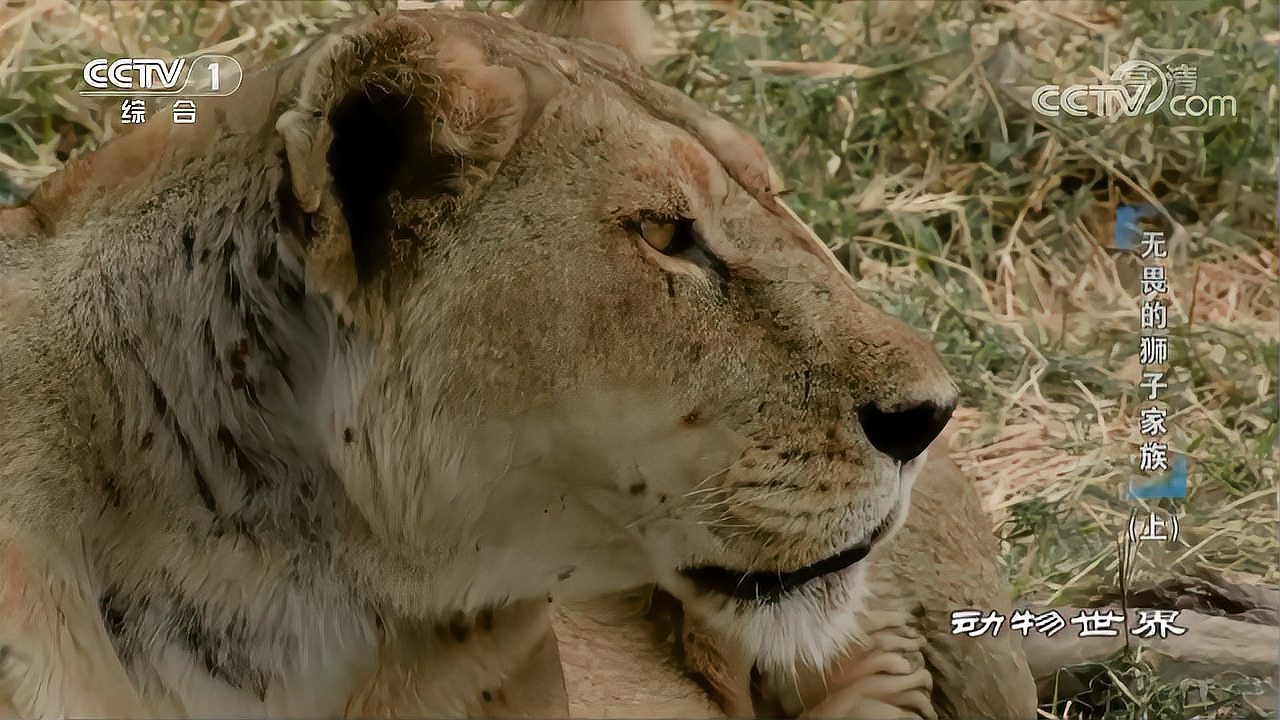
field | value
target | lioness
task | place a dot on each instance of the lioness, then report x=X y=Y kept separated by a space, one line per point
x=317 y=406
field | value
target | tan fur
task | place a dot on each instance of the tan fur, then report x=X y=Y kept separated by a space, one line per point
x=621 y=23
x=317 y=406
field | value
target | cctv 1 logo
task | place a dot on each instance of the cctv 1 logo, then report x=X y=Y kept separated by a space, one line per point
x=206 y=75
x=1136 y=87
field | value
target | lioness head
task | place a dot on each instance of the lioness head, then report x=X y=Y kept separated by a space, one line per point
x=583 y=344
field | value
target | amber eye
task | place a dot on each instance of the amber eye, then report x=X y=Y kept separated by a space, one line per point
x=669 y=237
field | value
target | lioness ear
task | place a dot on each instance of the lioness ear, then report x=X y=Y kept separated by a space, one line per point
x=396 y=114
x=621 y=23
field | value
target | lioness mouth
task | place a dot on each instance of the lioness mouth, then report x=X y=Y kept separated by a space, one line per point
x=767 y=586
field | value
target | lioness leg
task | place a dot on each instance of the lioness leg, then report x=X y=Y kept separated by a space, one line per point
x=881 y=683
x=7 y=710
x=885 y=677
x=618 y=661
x=535 y=688
x=56 y=659
x=880 y=677
x=501 y=663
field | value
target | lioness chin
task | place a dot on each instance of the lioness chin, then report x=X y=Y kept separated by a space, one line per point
x=312 y=406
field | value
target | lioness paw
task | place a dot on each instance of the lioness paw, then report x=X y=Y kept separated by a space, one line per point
x=880 y=688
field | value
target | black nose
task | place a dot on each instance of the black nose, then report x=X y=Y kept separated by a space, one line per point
x=904 y=434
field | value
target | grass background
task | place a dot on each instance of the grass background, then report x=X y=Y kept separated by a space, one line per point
x=960 y=210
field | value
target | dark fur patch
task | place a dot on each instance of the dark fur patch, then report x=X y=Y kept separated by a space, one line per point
x=119 y=615
x=111 y=487
x=250 y=320
x=219 y=650
x=237 y=355
x=113 y=614
x=292 y=288
x=459 y=628
x=267 y=263
x=241 y=382
x=204 y=491
x=206 y=335
x=188 y=245
x=245 y=465
x=157 y=398
x=231 y=275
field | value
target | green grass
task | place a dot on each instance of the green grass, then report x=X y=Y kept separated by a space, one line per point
x=961 y=211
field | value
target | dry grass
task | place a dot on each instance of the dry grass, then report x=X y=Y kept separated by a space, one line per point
x=905 y=129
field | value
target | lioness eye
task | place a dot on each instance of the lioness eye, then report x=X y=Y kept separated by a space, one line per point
x=668 y=237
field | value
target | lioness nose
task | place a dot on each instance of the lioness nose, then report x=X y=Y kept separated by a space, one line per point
x=904 y=434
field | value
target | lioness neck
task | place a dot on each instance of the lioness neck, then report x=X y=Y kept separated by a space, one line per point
x=199 y=331
x=215 y=523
